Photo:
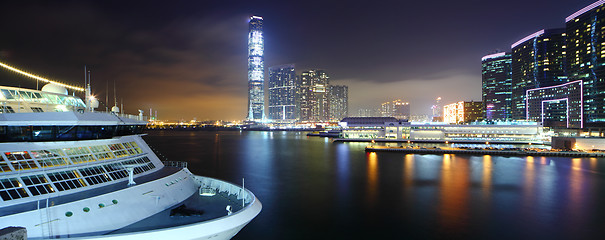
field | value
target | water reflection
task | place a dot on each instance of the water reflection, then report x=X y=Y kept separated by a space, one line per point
x=529 y=183
x=408 y=171
x=372 y=185
x=575 y=186
x=487 y=176
x=455 y=175
x=343 y=170
x=309 y=186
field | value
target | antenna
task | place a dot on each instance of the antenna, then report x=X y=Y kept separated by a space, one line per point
x=115 y=97
x=106 y=96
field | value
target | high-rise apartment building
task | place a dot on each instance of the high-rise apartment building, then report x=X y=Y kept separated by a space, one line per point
x=283 y=95
x=585 y=31
x=256 y=70
x=314 y=103
x=538 y=60
x=397 y=109
x=496 y=86
x=463 y=112
x=339 y=102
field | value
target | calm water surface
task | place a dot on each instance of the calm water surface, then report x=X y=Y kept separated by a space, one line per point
x=312 y=188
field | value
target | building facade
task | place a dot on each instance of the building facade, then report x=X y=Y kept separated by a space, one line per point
x=390 y=129
x=585 y=31
x=463 y=112
x=283 y=95
x=496 y=77
x=538 y=60
x=314 y=102
x=256 y=70
x=557 y=106
x=339 y=102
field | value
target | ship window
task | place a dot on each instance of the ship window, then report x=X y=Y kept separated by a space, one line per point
x=41 y=133
x=95 y=175
x=49 y=158
x=37 y=184
x=76 y=151
x=21 y=160
x=66 y=132
x=4 y=166
x=7 y=94
x=37 y=109
x=22 y=134
x=103 y=156
x=82 y=159
x=6 y=109
x=99 y=148
x=66 y=180
x=116 y=171
x=11 y=189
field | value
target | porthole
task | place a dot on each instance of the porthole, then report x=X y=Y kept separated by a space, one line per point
x=101 y=205
x=86 y=209
x=69 y=214
x=114 y=201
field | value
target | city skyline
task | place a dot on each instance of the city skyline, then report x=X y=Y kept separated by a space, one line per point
x=189 y=61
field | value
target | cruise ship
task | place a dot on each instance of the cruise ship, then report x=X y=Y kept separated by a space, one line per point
x=70 y=172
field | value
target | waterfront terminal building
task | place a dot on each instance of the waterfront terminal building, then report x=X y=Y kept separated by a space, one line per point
x=391 y=129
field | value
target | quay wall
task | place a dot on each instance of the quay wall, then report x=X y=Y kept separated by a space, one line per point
x=484 y=152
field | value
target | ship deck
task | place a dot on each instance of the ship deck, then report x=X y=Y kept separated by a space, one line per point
x=211 y=207
x=57 y=200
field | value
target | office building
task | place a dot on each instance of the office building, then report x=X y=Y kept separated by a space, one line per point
x=339 y=102
x=282 y=93
x=314 y=103
x=496 y=86
x=538 y=60
x=256 y=70
x=585 y=30
x=557 y=106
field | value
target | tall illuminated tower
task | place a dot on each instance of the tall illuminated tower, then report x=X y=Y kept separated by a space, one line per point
x=256 y=70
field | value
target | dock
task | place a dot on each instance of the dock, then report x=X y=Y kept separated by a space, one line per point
x=494 y=152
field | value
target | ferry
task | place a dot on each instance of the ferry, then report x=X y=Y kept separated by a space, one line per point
x=68 y=171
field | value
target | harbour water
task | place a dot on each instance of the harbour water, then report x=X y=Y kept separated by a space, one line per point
x=312 y=188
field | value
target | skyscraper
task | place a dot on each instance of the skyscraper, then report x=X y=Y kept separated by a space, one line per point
x=314 y=105
x=282 y=93
x=339 y=102
x=496 y=86
x=538 y=60
x=585 y=31
x=256 y=70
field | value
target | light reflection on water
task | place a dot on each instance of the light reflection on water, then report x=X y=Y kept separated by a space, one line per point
x=312 y=188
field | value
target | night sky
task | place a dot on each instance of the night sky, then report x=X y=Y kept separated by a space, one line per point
x=188 y=59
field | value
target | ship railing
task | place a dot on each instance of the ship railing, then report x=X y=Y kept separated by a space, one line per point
x=178 y=164
x=222 y=186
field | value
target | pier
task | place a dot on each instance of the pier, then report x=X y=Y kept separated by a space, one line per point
x=494 y=152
